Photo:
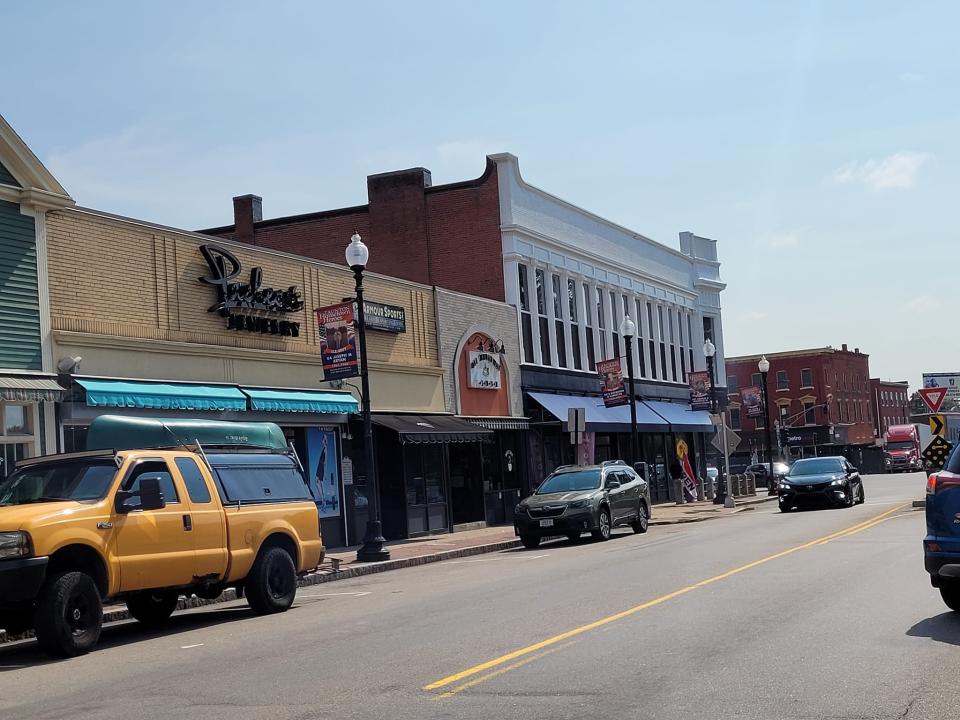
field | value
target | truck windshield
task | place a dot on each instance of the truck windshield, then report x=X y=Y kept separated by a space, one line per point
x=900 y=445
x=87 y=479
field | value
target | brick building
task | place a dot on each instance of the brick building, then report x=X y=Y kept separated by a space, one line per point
x=571 y=276
x=444 y=235
x=890 y=400
x=819 y=398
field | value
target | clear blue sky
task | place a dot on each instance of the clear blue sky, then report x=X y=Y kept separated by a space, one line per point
x=814 y=140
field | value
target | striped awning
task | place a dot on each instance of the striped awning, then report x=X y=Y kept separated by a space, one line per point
x=498 y=423
x=24 y=388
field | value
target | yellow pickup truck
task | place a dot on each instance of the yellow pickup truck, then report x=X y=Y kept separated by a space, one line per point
x=170 y=515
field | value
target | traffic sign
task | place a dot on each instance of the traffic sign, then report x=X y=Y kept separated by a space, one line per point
x=938 y=425
x=933 y=397
x=937 y=452
x=733 y=440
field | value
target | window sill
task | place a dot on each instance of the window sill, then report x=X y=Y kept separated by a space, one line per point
x=786 y=389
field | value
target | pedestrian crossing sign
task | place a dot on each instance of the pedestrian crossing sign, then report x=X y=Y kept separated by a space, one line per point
x=937 y=452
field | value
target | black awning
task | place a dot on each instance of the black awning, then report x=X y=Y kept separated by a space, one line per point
x=432 y=428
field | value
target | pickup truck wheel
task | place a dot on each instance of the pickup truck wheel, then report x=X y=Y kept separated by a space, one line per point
x=271 y=585
x=950 y=592
x=69 y=615
x=153 y=607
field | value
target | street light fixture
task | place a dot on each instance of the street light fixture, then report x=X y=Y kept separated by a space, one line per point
x=628 y=330
x=373 y=548
x=764 y=367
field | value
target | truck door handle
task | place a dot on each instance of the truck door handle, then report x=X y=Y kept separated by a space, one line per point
x=187 y=523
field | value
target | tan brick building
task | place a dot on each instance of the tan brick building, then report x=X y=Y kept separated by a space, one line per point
x=138 y=328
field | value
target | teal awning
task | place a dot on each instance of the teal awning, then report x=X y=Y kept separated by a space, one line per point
x=303 y=401
x=161 y=396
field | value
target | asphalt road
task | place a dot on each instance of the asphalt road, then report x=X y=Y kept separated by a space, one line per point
x=824 y=614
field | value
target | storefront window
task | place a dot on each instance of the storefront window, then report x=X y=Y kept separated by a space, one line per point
x=16 y=420
x=558 y=315
x=525 y=320
x=591 y=350
x=574 y=324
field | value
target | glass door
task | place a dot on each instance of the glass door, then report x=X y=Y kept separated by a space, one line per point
x=426 y=488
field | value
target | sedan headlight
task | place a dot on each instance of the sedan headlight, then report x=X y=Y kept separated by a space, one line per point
x=837 y=481
x=520 y=509
x=576 y=504
x=784 y=483
x=14 y=545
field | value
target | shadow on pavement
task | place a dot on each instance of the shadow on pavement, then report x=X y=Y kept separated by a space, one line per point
x=26 y=654
x=943 y=628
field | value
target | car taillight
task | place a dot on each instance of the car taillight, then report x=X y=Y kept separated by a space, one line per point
x=942 y=481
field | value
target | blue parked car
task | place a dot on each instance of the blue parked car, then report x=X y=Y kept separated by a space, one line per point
x=941 y=546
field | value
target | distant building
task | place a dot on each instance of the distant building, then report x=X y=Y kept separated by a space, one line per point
x=890 y=404
x=820 y=399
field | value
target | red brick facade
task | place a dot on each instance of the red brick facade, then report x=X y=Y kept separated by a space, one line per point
x=819 y=388
x=890 y=404
x=447 y=235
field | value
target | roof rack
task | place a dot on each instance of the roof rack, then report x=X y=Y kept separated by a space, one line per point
x=65 y=457
x=613 y=462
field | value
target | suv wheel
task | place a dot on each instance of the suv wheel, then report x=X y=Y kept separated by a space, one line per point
x=950 y=592
x=530 y=541
x=69 y=615
x=153 y=607
x=642 y=522
x=603 y=525
x=271 y=585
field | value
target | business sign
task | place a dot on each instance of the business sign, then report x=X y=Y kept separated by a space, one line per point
x=933 y=397
x=387 y=318
x=324 y=474
x=752 y=401
x=948 y=381
x=251 y=296
x=338 y=341
x=611 y=383
x=484 y=370
x=700 y=390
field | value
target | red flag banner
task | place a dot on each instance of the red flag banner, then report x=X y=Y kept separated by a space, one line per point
x=338 y=341
x=611 y=383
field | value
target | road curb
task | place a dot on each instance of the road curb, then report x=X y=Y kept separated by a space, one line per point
x=119 y=614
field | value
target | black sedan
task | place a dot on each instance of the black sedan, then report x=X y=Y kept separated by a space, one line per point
x=820 y=481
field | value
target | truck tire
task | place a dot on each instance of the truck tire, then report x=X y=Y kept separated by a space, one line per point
x=153 y=607
x=69 y=615
x=950 y=592
x=271 y=585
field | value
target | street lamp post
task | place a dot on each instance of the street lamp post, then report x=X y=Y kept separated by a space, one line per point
x=764 y=367
x=628 y=329
x=709 y=350
x=373 y=548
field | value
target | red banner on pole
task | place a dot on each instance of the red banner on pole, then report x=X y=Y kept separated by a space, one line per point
x=611 y=383
x=338 y=341
x=700 y=390
x=752 y=401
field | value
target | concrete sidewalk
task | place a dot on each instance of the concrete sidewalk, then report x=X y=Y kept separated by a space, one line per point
x=341 y=563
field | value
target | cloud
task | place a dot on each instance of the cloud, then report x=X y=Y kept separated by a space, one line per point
x=752 y=316
x=924 y=304
x=783 y=240
x=896 y=171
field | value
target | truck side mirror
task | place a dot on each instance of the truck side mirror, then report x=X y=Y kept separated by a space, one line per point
x=150 y=494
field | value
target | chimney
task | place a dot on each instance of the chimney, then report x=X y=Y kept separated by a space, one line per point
x=856 y=351
x=844 y=347
x=247 y=209
x=398 y=222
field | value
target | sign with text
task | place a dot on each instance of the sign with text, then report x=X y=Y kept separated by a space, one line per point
x=225 y=270
x=752 y=401
x=611 y=383
x=933 y=397
x=338 y=341
x=484 y=370
x=700 y=389
x=948 y=381
x=386 y=318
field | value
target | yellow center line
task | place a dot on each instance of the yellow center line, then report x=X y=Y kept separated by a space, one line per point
x=489 y=676
x=535 y=647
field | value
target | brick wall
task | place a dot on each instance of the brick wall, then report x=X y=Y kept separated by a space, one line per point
x=890 y=404
x=121 y=278
x=459 y=316
x=448 y=236
x=841 y=373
